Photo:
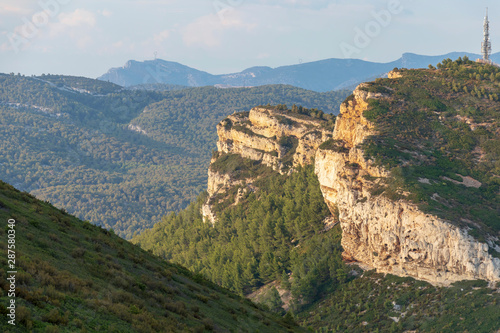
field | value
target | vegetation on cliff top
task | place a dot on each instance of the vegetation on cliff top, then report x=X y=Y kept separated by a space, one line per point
x=300 y=112
x=438 y=134
x=238 y=167
x=76 y=277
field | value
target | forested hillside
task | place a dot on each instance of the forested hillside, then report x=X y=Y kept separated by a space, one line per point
x=119 y=158
x=268 y=234
x=76 y=277
x=277 y=234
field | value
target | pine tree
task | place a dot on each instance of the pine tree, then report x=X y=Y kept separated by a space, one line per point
x=285 y=282
x=274 y=301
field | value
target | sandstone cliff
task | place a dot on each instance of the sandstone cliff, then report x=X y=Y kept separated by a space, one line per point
x=391 y=236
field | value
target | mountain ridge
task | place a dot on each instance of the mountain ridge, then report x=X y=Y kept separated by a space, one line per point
x=321 y=75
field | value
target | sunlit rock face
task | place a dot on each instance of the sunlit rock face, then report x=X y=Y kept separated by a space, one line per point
x=391 y=236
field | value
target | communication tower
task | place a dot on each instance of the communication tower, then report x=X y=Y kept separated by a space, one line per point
x=486 y=44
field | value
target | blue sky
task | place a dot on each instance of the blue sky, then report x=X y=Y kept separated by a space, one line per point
x=87 y=37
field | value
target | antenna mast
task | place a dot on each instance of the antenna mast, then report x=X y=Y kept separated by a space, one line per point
x=486 y=44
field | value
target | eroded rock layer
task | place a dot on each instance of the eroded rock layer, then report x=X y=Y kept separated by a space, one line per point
x=268 y=135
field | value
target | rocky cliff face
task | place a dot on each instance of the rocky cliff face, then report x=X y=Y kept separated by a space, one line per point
x=391 y=236
x=279 y=139
x=269 y=135
x=216 y=183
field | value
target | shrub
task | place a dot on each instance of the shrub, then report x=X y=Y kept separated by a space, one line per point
x=52 y=329
x=208 y=324
x=78 y=252
x=334 y=145
x=55 y=317
x=23 y=316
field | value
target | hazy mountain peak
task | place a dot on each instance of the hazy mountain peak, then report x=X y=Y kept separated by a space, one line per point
x=322 y=75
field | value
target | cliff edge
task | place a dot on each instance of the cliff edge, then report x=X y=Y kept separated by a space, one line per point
x=393 y=236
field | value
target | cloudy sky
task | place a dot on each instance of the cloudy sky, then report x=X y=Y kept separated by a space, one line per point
x=87 y=37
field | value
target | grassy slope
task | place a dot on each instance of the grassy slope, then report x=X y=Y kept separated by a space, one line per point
x=73 y=276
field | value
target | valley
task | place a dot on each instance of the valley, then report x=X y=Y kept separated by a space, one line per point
x=119 y=158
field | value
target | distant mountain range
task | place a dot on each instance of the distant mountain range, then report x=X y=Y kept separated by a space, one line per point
x=320 y=76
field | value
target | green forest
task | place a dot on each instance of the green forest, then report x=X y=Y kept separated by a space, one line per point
x=276 y=234
x=254 y=242
x=76 y=150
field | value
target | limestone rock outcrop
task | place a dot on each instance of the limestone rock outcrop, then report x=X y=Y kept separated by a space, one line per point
x=262 y=135
x=391 y=236
x=277 y=138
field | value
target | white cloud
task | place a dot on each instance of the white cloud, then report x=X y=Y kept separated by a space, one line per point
x=162 y=36
x=75 y=24
x=7 y=9
x=105 y=13
x=71 y=28
x=5 y=47
x=83 y=42
x=118 y=47
x=209 y=30
x=78 y=18
x=287 y=4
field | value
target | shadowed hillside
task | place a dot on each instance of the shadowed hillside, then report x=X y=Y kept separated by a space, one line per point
x=76 y=277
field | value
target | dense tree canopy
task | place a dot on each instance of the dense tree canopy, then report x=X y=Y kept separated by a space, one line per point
x=253 y=242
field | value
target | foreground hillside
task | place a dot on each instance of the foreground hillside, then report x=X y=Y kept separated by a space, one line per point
x=119 y=158
x=76 y=277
